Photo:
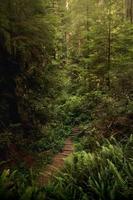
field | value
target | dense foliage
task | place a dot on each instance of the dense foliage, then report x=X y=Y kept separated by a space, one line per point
x=105 y=174
x=66 y=67
x=30 y=38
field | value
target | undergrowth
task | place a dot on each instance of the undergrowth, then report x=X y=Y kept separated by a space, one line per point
x=104 y=174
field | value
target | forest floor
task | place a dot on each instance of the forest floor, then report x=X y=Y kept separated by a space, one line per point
x=57 y=162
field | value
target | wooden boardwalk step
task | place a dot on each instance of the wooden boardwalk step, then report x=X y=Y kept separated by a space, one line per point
x=57 y=162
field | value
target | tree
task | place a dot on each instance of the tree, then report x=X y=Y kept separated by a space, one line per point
x=129 y=10
x=26 y=48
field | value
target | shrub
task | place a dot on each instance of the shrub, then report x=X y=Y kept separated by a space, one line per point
x=105 y=174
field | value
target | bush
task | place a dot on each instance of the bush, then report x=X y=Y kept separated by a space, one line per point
x=53 y=137
x=105 y=174
x=19 y=186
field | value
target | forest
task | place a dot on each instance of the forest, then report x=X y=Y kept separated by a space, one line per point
x=66 y=99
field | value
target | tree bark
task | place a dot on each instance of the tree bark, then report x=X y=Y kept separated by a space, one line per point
x=129 y=10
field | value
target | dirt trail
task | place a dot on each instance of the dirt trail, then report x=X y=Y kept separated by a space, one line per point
x=57 y=162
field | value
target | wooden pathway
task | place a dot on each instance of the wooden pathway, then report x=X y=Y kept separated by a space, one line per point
x=57 y=163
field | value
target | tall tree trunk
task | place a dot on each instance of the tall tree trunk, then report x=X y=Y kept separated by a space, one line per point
x=129 y=10
x=109 y=55
x=109 y=48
